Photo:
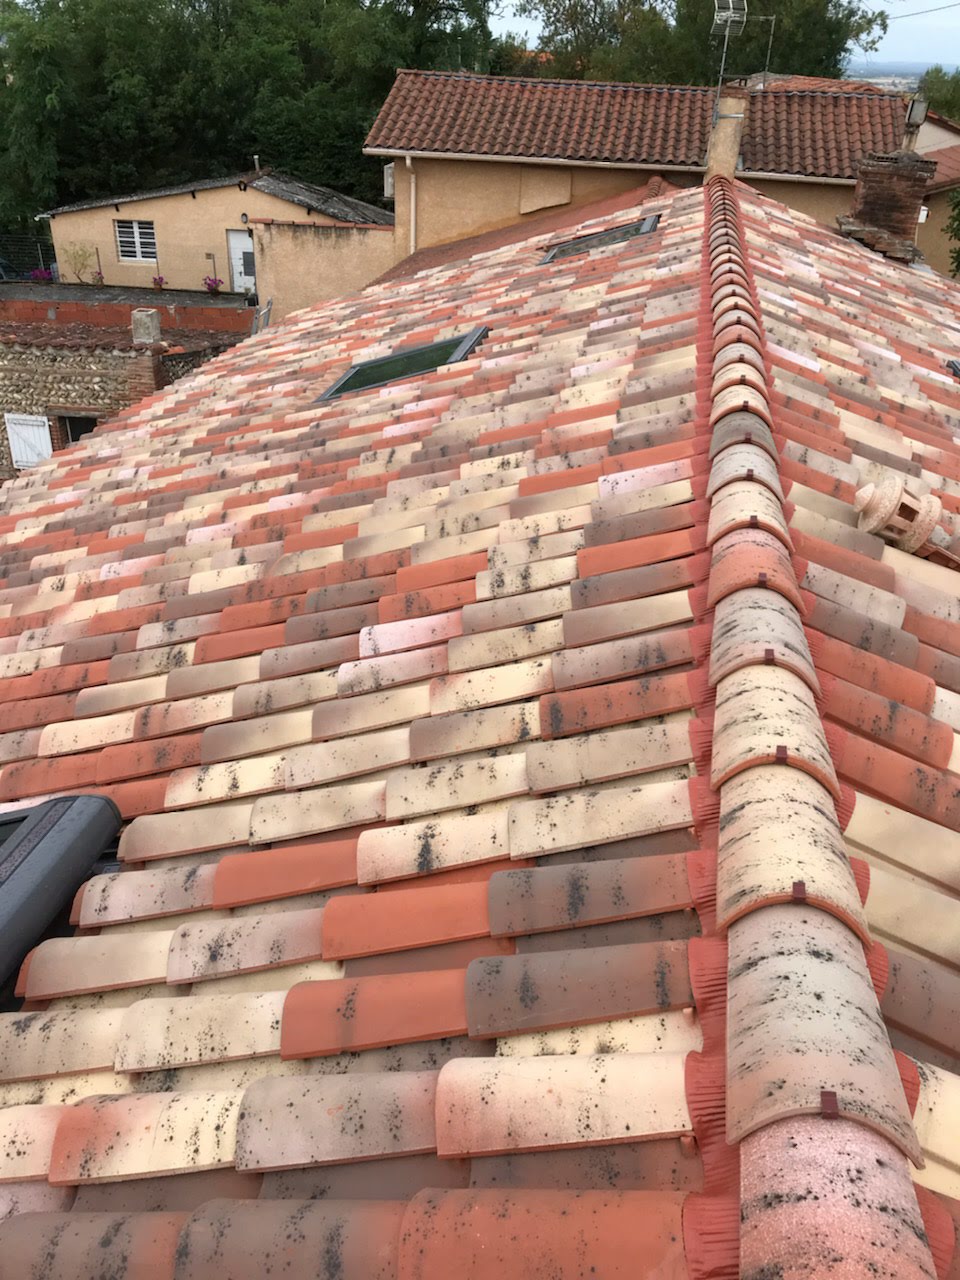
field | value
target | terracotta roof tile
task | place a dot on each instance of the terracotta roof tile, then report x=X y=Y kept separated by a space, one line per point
x=816 y=129
x=412 y=702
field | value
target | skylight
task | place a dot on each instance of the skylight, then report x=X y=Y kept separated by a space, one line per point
x=600 y=239
x=405 y=362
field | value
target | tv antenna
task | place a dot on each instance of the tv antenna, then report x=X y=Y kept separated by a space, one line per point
x=729 y=18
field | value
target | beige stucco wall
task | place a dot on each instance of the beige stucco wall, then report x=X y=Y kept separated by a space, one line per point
x=933 y=135
x=187 y=229
x=823 y=201
x=458 y=198
x=932 y=235
x=303 y=263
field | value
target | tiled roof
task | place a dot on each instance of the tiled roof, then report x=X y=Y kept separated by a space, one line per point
x=948 y=168
x=542 y=832
x=809 y=134
x=818 y=84
x=307 y=194
x=112 y=337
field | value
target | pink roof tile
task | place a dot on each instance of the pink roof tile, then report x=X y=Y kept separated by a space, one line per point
x=540 y=795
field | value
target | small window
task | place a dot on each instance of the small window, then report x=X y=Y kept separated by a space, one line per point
x=600 y=239
x=136 y=241
x=406 y=362
x=74 y=427
x=954 y=367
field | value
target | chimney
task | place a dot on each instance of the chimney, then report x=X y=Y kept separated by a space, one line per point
x=887 y=201
x=723 y=150
x=145 y=322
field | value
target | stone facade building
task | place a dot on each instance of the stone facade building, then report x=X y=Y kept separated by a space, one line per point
x=64 y=368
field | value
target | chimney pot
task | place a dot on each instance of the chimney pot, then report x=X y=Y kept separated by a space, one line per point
x=145 y=323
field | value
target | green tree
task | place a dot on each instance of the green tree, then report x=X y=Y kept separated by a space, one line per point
x=103 y=97
x=670 y=41
x=941 y=89
x=953 y=230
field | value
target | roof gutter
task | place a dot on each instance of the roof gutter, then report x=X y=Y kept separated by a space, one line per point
x=407 y=156
x=579 y=164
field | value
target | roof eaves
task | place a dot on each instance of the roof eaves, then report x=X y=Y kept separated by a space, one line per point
x=566 y=161
x=182 y=188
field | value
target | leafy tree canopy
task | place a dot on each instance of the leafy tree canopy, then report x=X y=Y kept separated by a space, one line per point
x=670 y=41
x=105 y=96
x=941 y=89
x=99 y=97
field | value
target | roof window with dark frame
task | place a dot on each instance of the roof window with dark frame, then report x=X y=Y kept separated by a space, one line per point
x=405 y=362
x=600 y=239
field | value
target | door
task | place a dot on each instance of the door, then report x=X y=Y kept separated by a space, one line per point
x=29 y=436
x=243 y=272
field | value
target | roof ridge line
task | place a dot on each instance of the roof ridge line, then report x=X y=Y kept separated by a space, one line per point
x=767 y=715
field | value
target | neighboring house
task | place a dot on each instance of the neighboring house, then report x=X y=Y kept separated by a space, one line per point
x=942 y=187
x=471 y=152
x=197 y=229
x=69 y=360
x=536 y=754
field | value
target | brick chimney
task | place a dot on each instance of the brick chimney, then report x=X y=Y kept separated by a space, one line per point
x=886 y=203
x=723 y=149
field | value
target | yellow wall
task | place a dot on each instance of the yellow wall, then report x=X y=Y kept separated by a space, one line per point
x=304 y=263
x=932 y=235
x=186 y=229
x=458 y=198
x=822 y=201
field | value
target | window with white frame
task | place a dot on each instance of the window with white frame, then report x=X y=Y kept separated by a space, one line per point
x=136 y=241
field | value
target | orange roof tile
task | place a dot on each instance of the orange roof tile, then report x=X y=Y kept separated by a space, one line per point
x=948 y=168
x=541 y=796
x=820 y=129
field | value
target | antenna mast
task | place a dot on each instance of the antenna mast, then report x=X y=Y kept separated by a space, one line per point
x=729 y=16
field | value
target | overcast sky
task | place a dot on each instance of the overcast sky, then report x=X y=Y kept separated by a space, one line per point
x=934 y=37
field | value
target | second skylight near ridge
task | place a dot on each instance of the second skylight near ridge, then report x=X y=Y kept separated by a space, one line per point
x=405 y=362
x=600 y=239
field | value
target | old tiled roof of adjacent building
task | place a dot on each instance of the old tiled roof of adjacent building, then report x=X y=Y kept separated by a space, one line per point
x=948 y=168
x=818 y=84
x=308 y=195
x=111 y=337
x=806 y=134
x=541 y=846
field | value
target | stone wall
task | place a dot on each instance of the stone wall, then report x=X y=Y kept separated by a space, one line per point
x=58 y=380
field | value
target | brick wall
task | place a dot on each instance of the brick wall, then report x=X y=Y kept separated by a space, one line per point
x=105 y=315
x=890 y=190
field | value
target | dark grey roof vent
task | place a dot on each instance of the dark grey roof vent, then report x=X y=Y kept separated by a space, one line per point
x=46 y=852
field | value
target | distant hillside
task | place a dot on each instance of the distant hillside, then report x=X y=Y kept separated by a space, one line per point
x=868 y=69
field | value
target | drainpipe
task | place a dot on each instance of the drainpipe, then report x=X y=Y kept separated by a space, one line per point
x=413 y=203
